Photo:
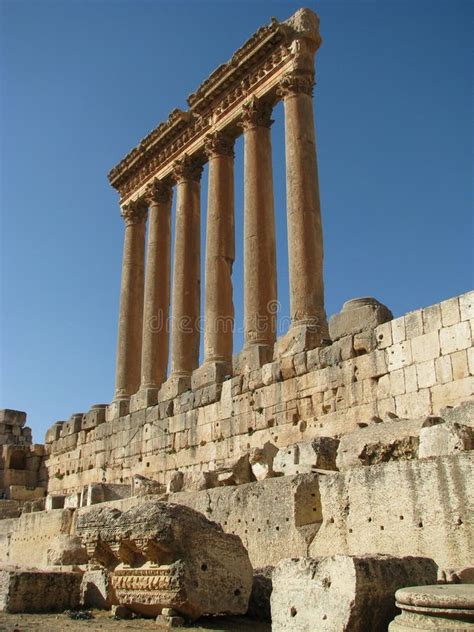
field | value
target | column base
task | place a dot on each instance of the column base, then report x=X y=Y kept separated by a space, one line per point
x=174 y=386
x=210 y=373
x=117 y=408
x=252 y=357
x=147 y=396
x=300 y=337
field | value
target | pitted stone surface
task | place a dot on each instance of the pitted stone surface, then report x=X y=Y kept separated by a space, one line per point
x=165 y=555
x=341 y=593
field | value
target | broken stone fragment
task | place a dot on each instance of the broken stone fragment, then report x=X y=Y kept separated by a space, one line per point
x=261 y=461
x=342 y=592
x=66 y=550
x=306 y=457
x=239 y=473
x=445 y=438
x=395 y=440
x=142 y=486
x=168 y=556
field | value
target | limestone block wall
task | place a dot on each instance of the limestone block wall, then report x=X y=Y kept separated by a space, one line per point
x=420 y=508
x=410 y=367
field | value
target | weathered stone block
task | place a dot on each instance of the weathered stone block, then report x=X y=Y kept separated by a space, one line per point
x=450 y=312
x=379 y=443
x=342 y=593
x=357 y=315
x=96 y=590
x=169 y=556
x=445 y=438
x=38 y=591
x=12 y=417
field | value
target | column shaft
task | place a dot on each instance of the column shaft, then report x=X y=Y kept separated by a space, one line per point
x=260 y=283
x=157 y=288
x=129 y=344
x=220 y=252
x=305 y=237
x=186 y=273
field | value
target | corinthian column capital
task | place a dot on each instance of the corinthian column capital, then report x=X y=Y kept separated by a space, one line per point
x=296 y=83
x=134 y=212
x=218 y=144
x=187 y=169
x=256 y=113
x=158 y=191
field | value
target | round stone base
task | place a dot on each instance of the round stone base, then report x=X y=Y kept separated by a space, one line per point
x=439 y=608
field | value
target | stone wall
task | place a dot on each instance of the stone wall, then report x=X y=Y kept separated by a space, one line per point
x=419 y=507
x=408 y=367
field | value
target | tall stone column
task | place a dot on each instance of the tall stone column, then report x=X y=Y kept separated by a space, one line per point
x=186 y=279
x=260 y=281
x=155 y=344
x=129 y=345
x=220 y=255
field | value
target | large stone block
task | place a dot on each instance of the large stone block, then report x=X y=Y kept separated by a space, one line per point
x=168 y=556
x=445 y=438
x=38 y=591
x=12 y=417
x=342 y=593
x=357 y=315
x=414 y=507
x=379 y=443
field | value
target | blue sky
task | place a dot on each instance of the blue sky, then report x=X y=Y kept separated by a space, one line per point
x=83 y=82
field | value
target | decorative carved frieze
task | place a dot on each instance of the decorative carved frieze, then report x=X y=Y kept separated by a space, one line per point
x=187 y=168
x=158 y=191
x=294 y=83
x=134 y=212
x=218 y=144
x=256 y=113
x=273 y=50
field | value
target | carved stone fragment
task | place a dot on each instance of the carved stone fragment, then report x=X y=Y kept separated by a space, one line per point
x=168 y=556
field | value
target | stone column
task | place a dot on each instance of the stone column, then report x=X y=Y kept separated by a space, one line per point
x=220 y=255
x=186 y=279
x=129 y=345
x=157 y=296
x=260 y=282
x=305 y=237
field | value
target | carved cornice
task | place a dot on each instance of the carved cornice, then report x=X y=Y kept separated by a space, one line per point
x=186 y=169
x=158 y=192
x=294 y=83
x=272 y=50
x=218 y=144
x=134 y=212
x=256 y=113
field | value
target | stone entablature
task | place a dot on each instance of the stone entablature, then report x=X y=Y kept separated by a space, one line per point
x=409 y=367
x=255 y=69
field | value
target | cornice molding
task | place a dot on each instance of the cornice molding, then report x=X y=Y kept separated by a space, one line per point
x=274 y=50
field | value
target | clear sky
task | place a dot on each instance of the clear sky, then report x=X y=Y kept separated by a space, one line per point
x=83 y=81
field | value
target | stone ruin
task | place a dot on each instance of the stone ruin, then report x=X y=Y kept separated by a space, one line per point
x=320 y=479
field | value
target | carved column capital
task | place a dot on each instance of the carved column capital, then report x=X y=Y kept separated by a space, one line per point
x=294 y=83
x=186 y=169
x=134 y=212
x=218 y=144
x=158 y=192
x=256 y=113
